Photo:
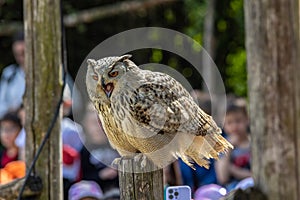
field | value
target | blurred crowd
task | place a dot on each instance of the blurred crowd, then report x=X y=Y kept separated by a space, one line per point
x=86 y=150
x=84 y=145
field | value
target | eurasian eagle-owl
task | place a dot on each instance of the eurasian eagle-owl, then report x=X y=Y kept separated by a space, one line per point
x=151 y=113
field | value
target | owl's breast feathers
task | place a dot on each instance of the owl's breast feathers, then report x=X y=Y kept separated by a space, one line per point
x=113 y=132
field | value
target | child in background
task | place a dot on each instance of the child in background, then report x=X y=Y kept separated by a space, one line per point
x=97 y=154
x=85 y=190
x=235 y=166
x=10 y=127
x=72 y=144
x=21 y=138
x=10 y=167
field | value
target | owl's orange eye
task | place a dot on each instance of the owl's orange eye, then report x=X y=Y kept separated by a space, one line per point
x=95 y=77
x=113 y=74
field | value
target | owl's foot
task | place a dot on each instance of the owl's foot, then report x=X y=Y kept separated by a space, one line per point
x=140 y=156
x=116 y=162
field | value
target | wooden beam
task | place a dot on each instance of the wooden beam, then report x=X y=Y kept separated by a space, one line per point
x=9 y=28
x=93 y=14
x=90 y=15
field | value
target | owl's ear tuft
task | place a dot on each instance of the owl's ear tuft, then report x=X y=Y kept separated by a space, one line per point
x=91 y=62
x=124 y=57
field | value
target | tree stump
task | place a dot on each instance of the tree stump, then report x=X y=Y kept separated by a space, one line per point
x=273 y=47
x=137 y=183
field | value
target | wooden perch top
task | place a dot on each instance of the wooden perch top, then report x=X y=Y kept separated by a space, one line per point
x=138 y=185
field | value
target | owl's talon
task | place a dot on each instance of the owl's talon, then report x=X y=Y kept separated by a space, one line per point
x=140 y=156
x=116 y=162
x=144 y=162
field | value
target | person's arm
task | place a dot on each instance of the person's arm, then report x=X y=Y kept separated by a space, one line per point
x=3 y=103
x=222 y=169
x=239 y=173
x=108 y=173
x=178 y=176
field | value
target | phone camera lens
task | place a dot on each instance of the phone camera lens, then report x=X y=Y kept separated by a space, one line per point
x=170 y=190
x=171 y=196
x=176 y=193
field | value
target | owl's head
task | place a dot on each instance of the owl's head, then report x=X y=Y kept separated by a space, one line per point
x=103 y=75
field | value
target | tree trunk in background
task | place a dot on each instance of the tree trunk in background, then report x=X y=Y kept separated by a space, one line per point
x=208 y=43
x=43 y=86
x=272 y=28
x=208 y=65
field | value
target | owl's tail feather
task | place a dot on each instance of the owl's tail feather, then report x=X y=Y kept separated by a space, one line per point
x=204 y=148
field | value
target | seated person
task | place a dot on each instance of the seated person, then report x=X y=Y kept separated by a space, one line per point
x=85 y=190
x=97 y=155
x=199 y=177
x=12 y=81
x=235 y=165
x=10 y=127
x=72 y=144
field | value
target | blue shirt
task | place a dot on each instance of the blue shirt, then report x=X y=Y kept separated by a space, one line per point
x=199 y=177
x=12 y=88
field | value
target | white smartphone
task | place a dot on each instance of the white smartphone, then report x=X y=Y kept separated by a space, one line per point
x=182 y=192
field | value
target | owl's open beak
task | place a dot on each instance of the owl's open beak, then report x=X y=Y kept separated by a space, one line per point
x=108 y=88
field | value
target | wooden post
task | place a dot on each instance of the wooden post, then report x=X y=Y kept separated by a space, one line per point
x=272 y=33
x=43 y=67
x=140 y=184
x=208 y=45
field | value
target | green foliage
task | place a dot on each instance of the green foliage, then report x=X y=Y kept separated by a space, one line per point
x=184 y=16
x=222 y=25
x=190 y=22
x=173 y=62
x=10 y=10
x=230 y=55
x=187 y=72
x=170 y=16
x=195 y=11
x=236 y=72
x=230 y=45
x=157 y=56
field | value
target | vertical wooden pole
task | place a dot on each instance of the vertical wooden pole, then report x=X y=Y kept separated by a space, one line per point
x=272 y=33
x=208 y=44
x=42 y=22
x=138 y=183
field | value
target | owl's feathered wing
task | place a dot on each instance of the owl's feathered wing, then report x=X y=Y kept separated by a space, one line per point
x=166 y=121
